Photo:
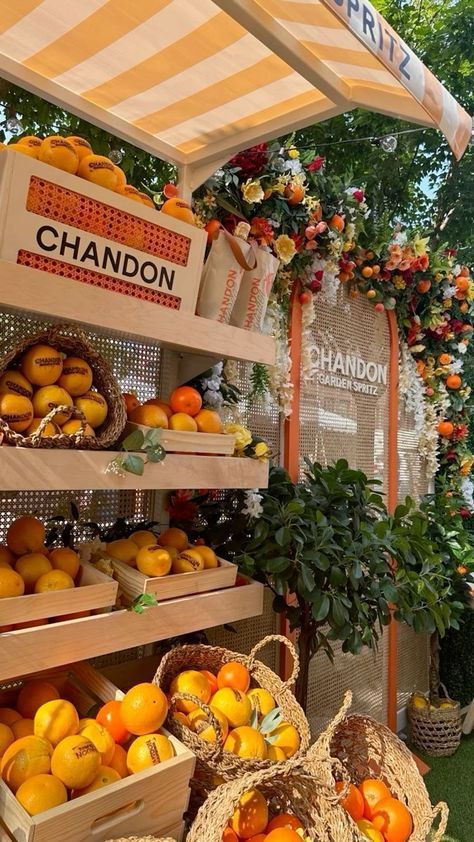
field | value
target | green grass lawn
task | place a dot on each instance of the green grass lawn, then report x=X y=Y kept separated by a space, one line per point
x=451 y=779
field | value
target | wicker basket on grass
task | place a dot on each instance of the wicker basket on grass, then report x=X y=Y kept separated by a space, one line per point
x=436 y=730
x=364 y=749
x=73 y=341
x=212 y=759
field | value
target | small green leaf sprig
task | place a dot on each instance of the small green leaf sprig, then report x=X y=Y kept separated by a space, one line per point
x=144 y=600
x=130 y=459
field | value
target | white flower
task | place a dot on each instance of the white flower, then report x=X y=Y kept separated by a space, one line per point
x=457 y=270
x=253 y=505
x=448 y=290
x=467 y=488
x=213 y=399
x=456 y=367
x=92 y=548
x=461 y=348
x=252 y=191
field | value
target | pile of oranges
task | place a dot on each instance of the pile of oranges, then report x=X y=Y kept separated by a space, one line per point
x=27 y=566
x=251 y=725
x=171 y=552
x=183 y=411
x=251 y=821
x=379 y=816
x=46 y=378
x=49 y=755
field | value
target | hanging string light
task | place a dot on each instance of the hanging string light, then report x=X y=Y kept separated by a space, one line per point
x=116 y=156
x=387 y=142
x=13 y=125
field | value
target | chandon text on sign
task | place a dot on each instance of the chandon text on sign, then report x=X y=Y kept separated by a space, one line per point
x=347 y=371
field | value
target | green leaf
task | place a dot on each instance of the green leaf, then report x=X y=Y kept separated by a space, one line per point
x=277 y=565
x=155 y=454
x=271 y=721
x=321 y=605
x=152 y=437
x=134 y=464
x=134 y=441
x=144 y=600
x=283 y=536
x=308 y=577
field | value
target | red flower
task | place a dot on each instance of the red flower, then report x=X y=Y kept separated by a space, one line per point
x=450 y=252
x=316 y=164
x=251 y=161
x=358 y=195
x=182 y=511
x=261 y=230
x=460 y=432
x=456 y=325
x=298 y=240
x=464 y=512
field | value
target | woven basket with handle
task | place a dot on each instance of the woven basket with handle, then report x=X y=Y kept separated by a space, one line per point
x=364 y=748
x=71 y=340
x=436 y=730
x=212 y=759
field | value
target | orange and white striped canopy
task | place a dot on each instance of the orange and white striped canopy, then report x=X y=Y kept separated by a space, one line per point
x=193 y=81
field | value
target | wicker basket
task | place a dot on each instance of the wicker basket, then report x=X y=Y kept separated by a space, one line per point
x=71 y=339
x=212 y=759
x=364 y=748
x=142 y=839
x=437 y=731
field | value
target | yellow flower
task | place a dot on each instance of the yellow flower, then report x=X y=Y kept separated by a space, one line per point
x=293 y=152
x=261 y=450
x=438 y=277
x=420 y=246
x=243 y=436
x=470 y=291
x=399 y=282
x=285 y=248
x=466 y=465
x=252 y=191
x=447 y=303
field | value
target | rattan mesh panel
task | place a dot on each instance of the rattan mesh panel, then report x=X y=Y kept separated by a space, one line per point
x=412 y=478
x=263 y=418
x=413 y=663
x=248 y=632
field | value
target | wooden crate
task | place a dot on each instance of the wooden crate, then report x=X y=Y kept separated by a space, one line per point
x=133 y=583
x=149 y=802
x=177 y=441
x=94 y=590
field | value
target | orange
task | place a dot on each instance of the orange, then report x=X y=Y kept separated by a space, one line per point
x=283 y=834
x=179 y=209
x=260 y=837
x=462 y=283
x=7 y=737
x=24 y=758
x=173 y=537
x=146 y=200
x=208 y=421
x=131 y=402
x=14 y=383
x=212 y=227
x=373 y=790
x=444 y=359
x=144 y=709
x=251 y=815
x=190 y=561
x=246 y=742
x=22 y=728
x=55 y=580
x=124 y=549
x=119 y=761
x=104 y=777
x=31 y=567
x=74 y=425
x=149 y=415
x=33 y=694
x=234 y=705
x=235 y=675
x=230 y=836
x=393 y=819
x=294 y=193
x=186 y=399
x=17 y=411
x=200 y=723
x=56 y=720
x=367 y=272
x=121 y=177
x=110 y=715
x=11 y=583
x=41 y=365
x=99 y=170
x=6 y=556
x=33 y=144
x=182 y=421
x=99 y=737
x=40 y=793
x=63 y=558
x=208 y=556
x=162 y=404
x=275 y=753
x=94 y=407
x=49 y=397
x=81 y=145
x=284 y=820
x=51 y=429
x=30 y=151
x=75 y=762
x=287 y=738
x=353 y=802
x=194 y=683
x=128 y=191
x=76 y=376
x=173 y=552
x=423 y=286
x=453 y=381
x=445 y=429
x=8 y=716
x=181 y=717
x=212 y=679
x=143 y=538
x=337 y=222
x=58 y=152
x=369 y=831
x=149 y=750
x=153 y=561
x=261 y=700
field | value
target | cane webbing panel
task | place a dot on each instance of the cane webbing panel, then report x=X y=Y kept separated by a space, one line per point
x=249 y=632
x=412 y=478
x=263 y=418
x=413 y=663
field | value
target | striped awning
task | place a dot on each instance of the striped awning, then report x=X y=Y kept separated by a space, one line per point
x=193 y=81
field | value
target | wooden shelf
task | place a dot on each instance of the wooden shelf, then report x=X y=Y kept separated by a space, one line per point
x=56 y=644
x=27 y=469
x=51 y=296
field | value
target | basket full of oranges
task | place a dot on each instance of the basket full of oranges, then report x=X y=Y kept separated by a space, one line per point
x=57 y=391
x=231 y=710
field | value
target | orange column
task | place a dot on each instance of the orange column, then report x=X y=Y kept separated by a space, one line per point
x=392 y=499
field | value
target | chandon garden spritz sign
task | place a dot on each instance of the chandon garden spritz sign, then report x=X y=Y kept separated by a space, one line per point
x=348 y=371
